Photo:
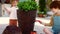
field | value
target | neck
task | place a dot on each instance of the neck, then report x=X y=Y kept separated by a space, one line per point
x=57 y=14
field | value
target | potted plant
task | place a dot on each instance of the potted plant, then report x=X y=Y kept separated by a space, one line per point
x=42 y=13
x=26 y=15
x=42 y=8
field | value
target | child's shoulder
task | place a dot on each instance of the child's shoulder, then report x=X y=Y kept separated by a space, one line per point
x=14 y=8
x=52 y=16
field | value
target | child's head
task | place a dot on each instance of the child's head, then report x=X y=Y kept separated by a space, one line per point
x=14 y=3
x=12 y=30
x=55 y=6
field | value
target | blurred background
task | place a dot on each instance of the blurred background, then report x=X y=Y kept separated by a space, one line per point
x=43 y=14
x=44 y=7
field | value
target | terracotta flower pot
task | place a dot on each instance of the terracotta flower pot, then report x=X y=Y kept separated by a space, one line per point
x=33 y=32
x=40 y=15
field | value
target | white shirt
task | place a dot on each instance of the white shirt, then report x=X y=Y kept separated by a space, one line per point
x=13 y=13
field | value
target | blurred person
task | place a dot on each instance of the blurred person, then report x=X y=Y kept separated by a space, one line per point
x=12 y=11
x=12 y=27
x=12 y=30
x=55 y=19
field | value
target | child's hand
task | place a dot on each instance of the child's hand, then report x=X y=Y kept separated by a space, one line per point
x=47 y=31
x=38 y=21
x=4 y=8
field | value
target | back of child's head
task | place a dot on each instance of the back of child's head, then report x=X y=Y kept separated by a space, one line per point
x=12 y=30
x=55 y=4
x=14 y=3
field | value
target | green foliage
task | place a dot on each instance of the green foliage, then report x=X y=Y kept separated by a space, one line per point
x=43 y=11
x=42 y=8
x=40 y=12
x=27 y=5
x=25 y=0
x=42 y=4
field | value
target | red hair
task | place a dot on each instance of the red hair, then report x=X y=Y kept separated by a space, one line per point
x=55 y=4
x=13 y=2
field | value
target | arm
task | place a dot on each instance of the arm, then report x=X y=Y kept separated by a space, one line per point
x=51 y=22
x=47 y=24
x=4 y=8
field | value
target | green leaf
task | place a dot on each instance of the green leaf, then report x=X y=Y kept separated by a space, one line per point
x=27 y=5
